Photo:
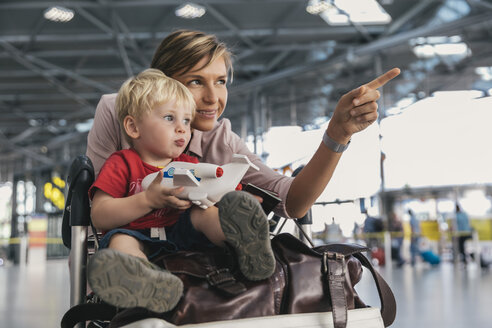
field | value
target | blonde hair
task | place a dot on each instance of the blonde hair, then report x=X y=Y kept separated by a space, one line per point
x=182 y=50
x=142 y=93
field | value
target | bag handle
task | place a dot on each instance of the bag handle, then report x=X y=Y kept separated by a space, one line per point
x=386 y=296
x=334 y=267
x=87 y=312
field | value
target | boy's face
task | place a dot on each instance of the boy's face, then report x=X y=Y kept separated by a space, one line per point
x=163 y=133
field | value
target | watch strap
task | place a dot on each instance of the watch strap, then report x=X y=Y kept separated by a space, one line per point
x=333 y=145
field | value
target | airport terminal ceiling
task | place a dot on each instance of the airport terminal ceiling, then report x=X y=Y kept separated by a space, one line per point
x=290 y=66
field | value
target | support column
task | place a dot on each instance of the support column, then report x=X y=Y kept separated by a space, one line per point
x=383 y=206
x=256 y=119
x=293 y=106
x=14 y=246
x=244 y=124
x=268 y=114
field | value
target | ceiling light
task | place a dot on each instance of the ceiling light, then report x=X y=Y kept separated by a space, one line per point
x=440 y=46
x=459 y=94
x=316 y=7
x=484 y=72
x=190 y=10
x=451 y=49
x=345 y=12
x=84 y=126
x=33 y=122
x=58 y=14
x=424 y=51
x=401 y=104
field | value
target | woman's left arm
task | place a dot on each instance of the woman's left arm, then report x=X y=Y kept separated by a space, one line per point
x=354 y=112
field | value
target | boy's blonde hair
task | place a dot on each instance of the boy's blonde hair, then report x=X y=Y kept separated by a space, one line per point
x=142 y=93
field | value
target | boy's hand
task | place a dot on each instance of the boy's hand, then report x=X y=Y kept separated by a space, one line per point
x=358 y=109
x=159 y=196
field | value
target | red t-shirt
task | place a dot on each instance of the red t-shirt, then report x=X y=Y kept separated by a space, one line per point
x=122 y=175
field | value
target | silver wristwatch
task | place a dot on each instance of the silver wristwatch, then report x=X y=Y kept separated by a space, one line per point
x=333 y=145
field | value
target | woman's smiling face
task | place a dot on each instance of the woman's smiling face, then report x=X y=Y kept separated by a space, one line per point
x=208 y=86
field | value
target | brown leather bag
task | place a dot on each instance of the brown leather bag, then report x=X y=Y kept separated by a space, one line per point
x=305 y=280
x=323 y=278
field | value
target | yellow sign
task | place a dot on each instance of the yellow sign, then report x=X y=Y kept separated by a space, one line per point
x=58 y=182
x=483 y=227
x=54 y=194
x=430 y=230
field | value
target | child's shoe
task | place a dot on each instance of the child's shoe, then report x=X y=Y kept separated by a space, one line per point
x=127 y=281
x=246 y=229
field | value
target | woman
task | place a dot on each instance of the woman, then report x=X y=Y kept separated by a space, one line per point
x=203 y=65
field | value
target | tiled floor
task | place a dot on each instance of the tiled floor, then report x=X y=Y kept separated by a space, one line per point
x=37 y=294
x=442 y=296
x=34 y=295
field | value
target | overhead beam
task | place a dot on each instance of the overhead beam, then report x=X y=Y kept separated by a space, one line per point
x=93 y=19
x=281 y=18
x=63 y=139
x=364 y=50
x=119 y=4
x=161 y=22
x=25 y=134
x=39 y=26
x=54 y=72
x=27 y=61
x=30 y=62
x=50 y=96
x=121 y=47
x=10 y=112
x=128 y=36
x=480 y=3
x=359 y=27
x=408 y=16
x=325 y=32
x=12 y=121
x=276 y=60
x=224 y=20
x=25 y=151
x=67 y=53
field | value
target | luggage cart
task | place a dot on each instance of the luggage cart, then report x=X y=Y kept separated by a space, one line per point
x=77 y=236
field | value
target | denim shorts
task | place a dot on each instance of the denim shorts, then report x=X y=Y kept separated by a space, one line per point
x=180 y=236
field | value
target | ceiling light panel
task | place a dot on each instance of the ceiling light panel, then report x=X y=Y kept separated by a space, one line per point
x=440 y=46
x=316 y=7
x=59 y=14
x=343 y=12
x=190 y=10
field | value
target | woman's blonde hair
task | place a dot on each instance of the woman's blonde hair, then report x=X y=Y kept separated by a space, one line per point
x=142 y=93
x=181 y=50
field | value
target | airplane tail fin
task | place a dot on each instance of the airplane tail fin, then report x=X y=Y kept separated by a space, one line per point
x=236 y=158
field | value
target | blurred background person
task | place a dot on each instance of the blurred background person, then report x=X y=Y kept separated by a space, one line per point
x=396 y=229
x=463 y=231
x=373 y=228
x=415 y=238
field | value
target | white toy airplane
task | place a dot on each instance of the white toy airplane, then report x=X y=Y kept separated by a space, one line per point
x=204 y=184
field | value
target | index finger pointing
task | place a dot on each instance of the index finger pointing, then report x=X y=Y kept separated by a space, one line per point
x=383 y=79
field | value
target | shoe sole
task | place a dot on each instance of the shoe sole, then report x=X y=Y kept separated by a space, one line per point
x=126 y=281
x=246 y=229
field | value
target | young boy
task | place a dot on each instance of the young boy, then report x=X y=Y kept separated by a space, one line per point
x=155 y=112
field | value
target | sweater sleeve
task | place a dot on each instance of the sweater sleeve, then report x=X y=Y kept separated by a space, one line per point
x=266 y=177
x=104 y=138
